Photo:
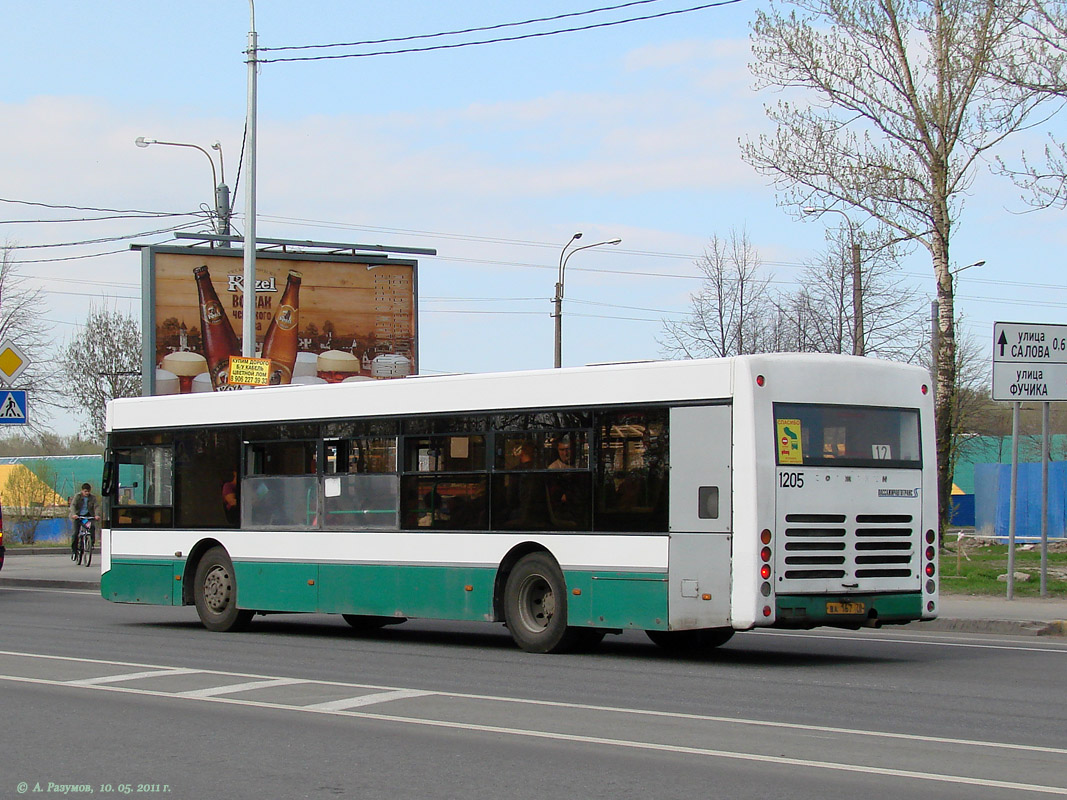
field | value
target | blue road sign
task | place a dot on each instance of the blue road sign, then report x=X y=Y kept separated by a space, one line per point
x=12 y=406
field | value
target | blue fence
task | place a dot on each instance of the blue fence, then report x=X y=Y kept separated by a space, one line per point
x=992 y=489
x=48 y=530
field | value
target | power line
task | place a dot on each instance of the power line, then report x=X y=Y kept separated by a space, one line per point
x=132 y=212
x=463 y=31
x=106 y=239
x=501 y=39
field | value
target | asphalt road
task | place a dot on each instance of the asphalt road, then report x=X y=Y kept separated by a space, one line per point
x=146 y=702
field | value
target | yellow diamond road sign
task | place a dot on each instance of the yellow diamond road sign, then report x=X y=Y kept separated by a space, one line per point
x=12 y=362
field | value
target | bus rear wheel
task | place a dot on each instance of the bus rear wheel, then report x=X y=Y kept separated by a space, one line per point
x=690 y=641
x=215 y=593
x=535 y=607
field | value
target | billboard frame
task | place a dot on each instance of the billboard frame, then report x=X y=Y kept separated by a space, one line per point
x=267 y=249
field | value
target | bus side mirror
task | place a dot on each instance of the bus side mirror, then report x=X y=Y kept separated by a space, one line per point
x=107 y=484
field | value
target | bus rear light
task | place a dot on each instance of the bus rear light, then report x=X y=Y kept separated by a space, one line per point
x=930 y=537
x=765 y=589
x=765 y=554
x=930 y=606
x=765 y=571
x=930 y=553
x=930 y=587
x=925 y=388
x=765 y=536
x=766 y=611
x=760 y=380
x=929 y=570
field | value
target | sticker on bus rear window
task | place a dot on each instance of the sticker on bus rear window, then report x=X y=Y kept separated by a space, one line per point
x=789 y=451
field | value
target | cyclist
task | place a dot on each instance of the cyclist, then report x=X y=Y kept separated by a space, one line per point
x=83 y=504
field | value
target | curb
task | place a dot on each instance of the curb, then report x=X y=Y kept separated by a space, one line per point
x=41 y=583
x=1010 y=627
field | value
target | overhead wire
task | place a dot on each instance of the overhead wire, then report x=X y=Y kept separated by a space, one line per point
x=463 y=31
x=498 y=40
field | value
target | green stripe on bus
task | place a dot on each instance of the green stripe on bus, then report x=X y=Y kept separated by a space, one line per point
x=820 y=609
x=148 y=582
x=604 y=599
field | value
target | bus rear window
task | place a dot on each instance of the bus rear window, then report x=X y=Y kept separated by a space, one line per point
x=846 y=436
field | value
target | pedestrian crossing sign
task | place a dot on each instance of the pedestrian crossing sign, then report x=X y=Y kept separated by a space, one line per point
x=12 y=406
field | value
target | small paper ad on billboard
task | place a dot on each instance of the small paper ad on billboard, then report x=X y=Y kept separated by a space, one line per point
x=319 y=318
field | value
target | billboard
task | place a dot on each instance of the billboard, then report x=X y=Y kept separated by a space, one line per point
x=321 y=317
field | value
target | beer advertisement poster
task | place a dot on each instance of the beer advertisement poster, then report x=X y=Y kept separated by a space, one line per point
x=317 y=321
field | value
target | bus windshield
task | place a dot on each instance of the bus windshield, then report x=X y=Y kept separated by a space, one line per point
x=847 y=436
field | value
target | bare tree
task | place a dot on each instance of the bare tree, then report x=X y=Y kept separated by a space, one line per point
x=905 y=105
x=23 y=324
x=727 y=315
x=892 y=310
x=1045 y=31
x=103 y=362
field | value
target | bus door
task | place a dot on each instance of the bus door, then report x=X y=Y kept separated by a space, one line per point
x=700 y=517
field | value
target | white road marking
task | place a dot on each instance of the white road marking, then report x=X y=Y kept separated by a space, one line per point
x=131 y=676
x=230 y=688
x=366 y=700
x=1053 y=648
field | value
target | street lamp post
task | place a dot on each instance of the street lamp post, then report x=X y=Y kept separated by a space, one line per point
x=858 y=345
x=557 y=301
x=219 y=190
x=935 y=316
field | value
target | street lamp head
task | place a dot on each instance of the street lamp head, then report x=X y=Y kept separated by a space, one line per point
x=217 y=146
x=975 y=264
x=614 y=241
x=141 y=141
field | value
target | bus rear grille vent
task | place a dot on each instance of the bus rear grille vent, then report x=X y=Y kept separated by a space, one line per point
x=830 y=546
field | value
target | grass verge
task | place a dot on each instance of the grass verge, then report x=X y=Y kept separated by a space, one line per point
x=975 y=569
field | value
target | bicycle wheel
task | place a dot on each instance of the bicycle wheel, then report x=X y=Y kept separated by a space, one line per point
x=87 y=549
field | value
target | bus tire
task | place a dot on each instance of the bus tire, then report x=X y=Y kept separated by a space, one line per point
x=690 y=641
x=215 y=593
x=366 y=623
x=535 y=606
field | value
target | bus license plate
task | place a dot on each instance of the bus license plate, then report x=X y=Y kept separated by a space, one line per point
x=845 y=608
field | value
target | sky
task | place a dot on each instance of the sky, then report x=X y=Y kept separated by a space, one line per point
x=493 y=155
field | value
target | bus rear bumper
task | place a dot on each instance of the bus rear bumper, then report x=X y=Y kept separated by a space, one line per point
x=847 y=611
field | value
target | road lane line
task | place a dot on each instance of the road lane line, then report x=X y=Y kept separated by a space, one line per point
x=584 y=739
x=1053 y=648
x=366 y=700
x=130 y=676
x=213 y=691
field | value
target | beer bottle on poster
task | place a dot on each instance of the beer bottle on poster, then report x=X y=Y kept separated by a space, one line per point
x=219 y=340
x=280 y=343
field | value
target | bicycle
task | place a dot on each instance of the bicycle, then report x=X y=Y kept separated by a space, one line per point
x=81 y=551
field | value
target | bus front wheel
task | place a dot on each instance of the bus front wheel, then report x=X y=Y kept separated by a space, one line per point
x=215 y=593
x=535 y=606
x=690 y=641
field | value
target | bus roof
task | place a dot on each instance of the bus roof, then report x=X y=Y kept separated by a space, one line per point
x=605 y=384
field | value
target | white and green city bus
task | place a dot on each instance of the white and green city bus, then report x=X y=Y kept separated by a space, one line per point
x=688 y=499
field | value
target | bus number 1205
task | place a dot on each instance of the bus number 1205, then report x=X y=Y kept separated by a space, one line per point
x=791 y=480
